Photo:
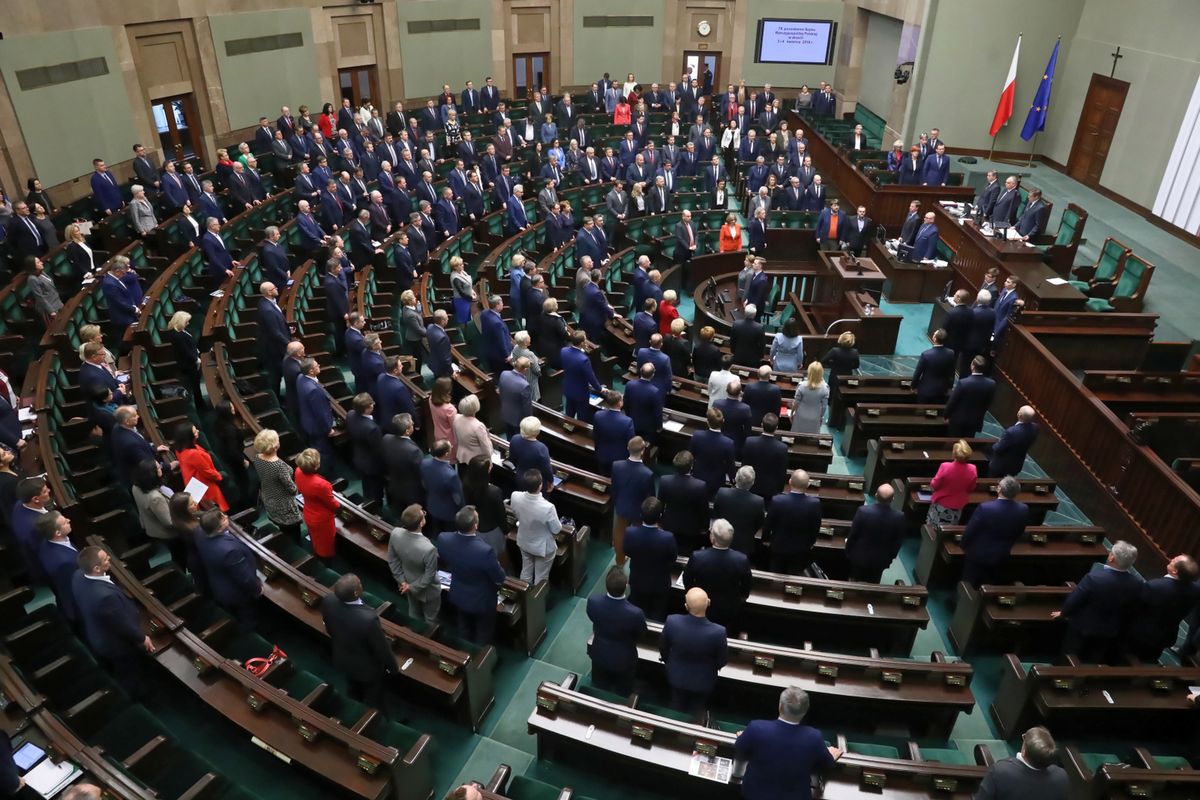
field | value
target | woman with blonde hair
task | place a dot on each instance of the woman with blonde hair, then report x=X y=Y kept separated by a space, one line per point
x=470 y=432
x=464 y=292
x=441 y=408
x=812 y=398
x=637 y=200
x=79 y=254
x=731 y=235
x=413 y=326
x=277 y=485
x=952 y=486
x=319 y=503
x=187 y=354
x=842 y=359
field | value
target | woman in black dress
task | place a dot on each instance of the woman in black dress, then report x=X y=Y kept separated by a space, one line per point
x=186 y=353
x=842 y=359
x=488 y=500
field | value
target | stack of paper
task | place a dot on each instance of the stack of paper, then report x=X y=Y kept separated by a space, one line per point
x=48 y=778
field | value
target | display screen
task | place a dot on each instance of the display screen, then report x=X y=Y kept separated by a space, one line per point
x=795 y=41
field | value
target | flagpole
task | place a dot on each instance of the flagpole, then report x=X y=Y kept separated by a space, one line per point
x=993 y=148
x=1033 y=141
x=1032 y=149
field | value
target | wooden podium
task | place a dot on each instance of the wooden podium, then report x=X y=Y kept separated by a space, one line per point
x=845 y=277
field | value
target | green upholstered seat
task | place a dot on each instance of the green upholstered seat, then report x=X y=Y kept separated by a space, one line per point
x=1094 y=761
x=522 y=788
x=873 y=750
x=1112 y=256
x=947 y=755
x=1127 y=284
x=663 y=711
x=1171 y=762
x=728 y=727
x=601 y=694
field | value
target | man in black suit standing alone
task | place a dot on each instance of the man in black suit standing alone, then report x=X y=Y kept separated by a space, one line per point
x=934 y=374
x=111 y=623
x=958 y=326
x=617 y=624
x=969 y=402
x=875 y=537
x=722 y=572
x=360 y=650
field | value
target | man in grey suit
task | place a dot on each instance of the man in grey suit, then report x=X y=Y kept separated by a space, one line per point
x=547 y=198
x=1030 y=775
x=516 y=396
x=413 y=560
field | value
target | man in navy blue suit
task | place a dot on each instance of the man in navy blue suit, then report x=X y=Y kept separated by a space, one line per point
x=925 y=245
x=936 y=169
x=792 y=526
x=661 y=362
x=497 y=340
x=475 y=575
x=442 y=487
x=337 y=299
x=875 y=537
x=611 y=430
x=934 y=374
x=1008 y=454
x=1033 y=222
x=123 y=295
x=1101 y=606
x=644 y=404
x=129 y=447
x=781 y=755
x=685 y=500
x=588 y=242
x=210 y=206
x=33 y=498
x=723 y=573
x=112 y=626
x=579 y=379
x=738 y=423
x=632 y=483
x=694 y=649
x=768 y=455
x=759 y=288
x=595 y=311
x=1163 y=603
x=763 y=396
x=991 y=532
x=392 y=395
x=651 y=551
x=230 y=566
x=217 y=257
x=276 y=267
x=983 y=322
x=526 y=452
x=714 y=453
x=105 y=190
x=515 y=217
x=958 y=324
x=273 y=335
x=316 y=412
x=969 y=402
x=439 y=361
x=356 y=345
x=644 y=324
x=1004 y=212
x=1005 y=306
x=617 y=624
x=58 y=559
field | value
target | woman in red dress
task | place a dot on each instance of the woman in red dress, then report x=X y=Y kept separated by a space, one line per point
x=667 y=313
x=319 y=503
x=325 y=121
x=195 y=462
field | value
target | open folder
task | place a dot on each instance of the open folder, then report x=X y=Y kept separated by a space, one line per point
x=48 y=778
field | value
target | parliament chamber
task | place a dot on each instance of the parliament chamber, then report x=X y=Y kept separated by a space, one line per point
x=541 y=438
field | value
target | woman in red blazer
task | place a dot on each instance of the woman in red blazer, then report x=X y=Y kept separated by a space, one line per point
x=319 y=503
x=195 y=462
x=953 y=483
x=667 y=313
x=731 y=235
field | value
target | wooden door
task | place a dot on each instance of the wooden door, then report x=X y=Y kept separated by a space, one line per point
x=698 y=61
x=358 y=84
x=531 y=71
x=177 y=124
x=1097 y=126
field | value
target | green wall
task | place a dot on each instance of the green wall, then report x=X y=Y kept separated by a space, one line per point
x=958 y=83
x=453 y=57
x=257 y=84
x=60 y=123
x=1161 y=62
x=879 y=63
x=619 y=50
x=787 y=74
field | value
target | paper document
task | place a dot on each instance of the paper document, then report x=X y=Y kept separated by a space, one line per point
x=196 y=488
x=714 y=768
x=672 y=425
x=26 y=415
x=1057 y=281
x=47 y=778
x=496 y=459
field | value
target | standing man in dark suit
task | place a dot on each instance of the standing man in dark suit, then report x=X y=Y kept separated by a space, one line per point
x=985 y=201
x=1030 y=775
x=617 y=624
x=516 y=396
x=970 y=401
x=936 y=169
x=392 y=395
x=475 y=575
x=757 y=229
x=1004 y=212
x=644 y=403
x=337 y=300
x=694 y=650
x=991 y=532
x=442 y=488
x=112 y=626
x=737 y=415
x=497 y=340
x=1163 y=603
x=781 y=755
x=925 y=243
x=1008 y=454
x=763 y=396
x=276 y=267
x=934 y=374
x=723 y=573
x=230 y=568
x=714 y=453
x=655 y=357
x=360 y=650
x=1101 y=607
x=912 y=222
x=366 y=441
x=958 y=324
x=685 y=500
x=579 y=379
x=746 y=339
x=612 y=431
x=632 y=483
x=59 y=560
x=129 y=446
x=768 y=455
x=1005 y=306
x=743 y=509
x=291 y=374
x=686 y=241
x=652 y=552
x=875 y=537
x=983 y=322
x=273 y=335
x=403 y=459
x=105 y=190
x=858 y=231
x=440 y=362
x=316 y=411
x=792 y=526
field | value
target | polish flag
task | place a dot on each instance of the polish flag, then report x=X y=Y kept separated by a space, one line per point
x=1004 y=108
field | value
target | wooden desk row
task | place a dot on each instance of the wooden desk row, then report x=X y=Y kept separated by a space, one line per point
x=1045 y=554
x=1009 y=619
x=893 y=457
x=912 y=496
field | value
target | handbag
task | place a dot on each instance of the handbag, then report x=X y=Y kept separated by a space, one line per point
x=259 y=666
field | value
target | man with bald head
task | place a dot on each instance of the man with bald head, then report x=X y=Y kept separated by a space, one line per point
x=875 y=537
x=792 y=526
x=273 y=335
x=1008 y=454
x=694 y=650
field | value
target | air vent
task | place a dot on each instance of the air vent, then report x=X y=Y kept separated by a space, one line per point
x=41 y=77
x=442 y=25
x=263 y=44
x=618 y=22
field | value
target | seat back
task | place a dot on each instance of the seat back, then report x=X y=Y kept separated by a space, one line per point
x=1134 y=277
x=1066 y=228
x=1112 y=260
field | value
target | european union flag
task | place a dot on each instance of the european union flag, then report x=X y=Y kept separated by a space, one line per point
x=1036 y=119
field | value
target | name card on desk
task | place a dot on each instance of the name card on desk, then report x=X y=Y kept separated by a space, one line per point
x=825 y=530
x=1007 y=600
x=673 y=426
x=814 y=483
x=956 y=680
x=1039 y=538
x=764 y=662
x=932 y=412
x=948 y=785
x=547 y=704
x=827 y=671
x=1041 y=488
x=874 y=780
x=891 y=678
x=569 y=427
x=835 y=595
x=793 y=589
x=1087 y=538
x=642 y=732
x=855 y=486
x=874 y=412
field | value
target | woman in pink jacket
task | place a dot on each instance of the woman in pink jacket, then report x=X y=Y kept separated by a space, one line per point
x=954 y=482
